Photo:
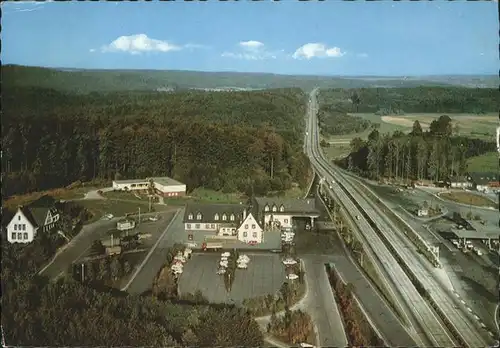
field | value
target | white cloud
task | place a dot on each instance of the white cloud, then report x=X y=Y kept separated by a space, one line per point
x=92 y=50
x=252 y=50
x=251 y=45
x=317 y=50
x=137 y=44
x=362 y=55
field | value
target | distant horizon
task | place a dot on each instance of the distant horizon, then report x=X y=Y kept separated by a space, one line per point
x=250 y=72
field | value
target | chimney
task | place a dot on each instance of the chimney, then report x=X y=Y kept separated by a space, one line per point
x=244 y=213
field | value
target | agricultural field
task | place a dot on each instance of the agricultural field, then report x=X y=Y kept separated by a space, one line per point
x=475 y=126
x=484 y=163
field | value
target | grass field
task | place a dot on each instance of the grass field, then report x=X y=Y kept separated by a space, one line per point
x=468 y=198
x=62 y=193
x=116 y=207
x=484 y=163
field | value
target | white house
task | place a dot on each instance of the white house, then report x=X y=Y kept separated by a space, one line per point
x=39 y=216
x=250 y=230
x=229 y=221
x=164 y=186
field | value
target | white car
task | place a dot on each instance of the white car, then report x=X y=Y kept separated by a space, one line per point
x=223 y=263
x=242 y=265
x=289 y=261
x=180 y=258
x=177 y=271
x=153 y=218
x=176 y=268
x=221 y=271
x=226 y=254
x=292 y=276
x=191 y=244
x=223 y=258
x=243 y=258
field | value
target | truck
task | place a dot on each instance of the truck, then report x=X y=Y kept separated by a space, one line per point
x=211 y=246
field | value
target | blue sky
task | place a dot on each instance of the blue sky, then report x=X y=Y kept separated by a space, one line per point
x=286 y=37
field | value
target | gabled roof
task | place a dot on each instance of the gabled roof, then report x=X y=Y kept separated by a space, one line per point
x=289 y=205
x=208 y=212
x=27 y=213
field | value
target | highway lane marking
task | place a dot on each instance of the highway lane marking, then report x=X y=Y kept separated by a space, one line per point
x=148 y=256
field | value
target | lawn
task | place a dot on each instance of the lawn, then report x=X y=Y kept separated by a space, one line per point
x=468 y=198
x=125 y=195
x=484 y=163
x=62 y=193
x=117 y=207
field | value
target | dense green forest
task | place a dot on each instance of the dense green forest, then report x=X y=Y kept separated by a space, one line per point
x=435 y=155
x=422 y=99
x=334 y=120
x=86 y=81
x=235 y=141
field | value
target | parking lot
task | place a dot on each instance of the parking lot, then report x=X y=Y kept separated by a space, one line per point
x=265 y=275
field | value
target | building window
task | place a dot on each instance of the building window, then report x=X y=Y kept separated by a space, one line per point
x=190 y=237
x=286 y=221
x=190 y=217
x=253 y=227
x=216 y=217
x=13 y=235
x=266 y=208
x=282 y=208
x=231 y=217
x=254 y=234
x=19 y=217
x=188 y=226
x=197 y=226
x=246 y=227
x=198 y=216
x=207 y=226
x=245 y=234
x=212 y=226
x=224 y=217
x=24 y=227
x=19 y=236
x=25 y=235
x=274 y=208
x=15 y=227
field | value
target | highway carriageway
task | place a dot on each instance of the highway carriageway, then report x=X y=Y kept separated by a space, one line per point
x=458 y=320
x=429 y=323
x=460 y=325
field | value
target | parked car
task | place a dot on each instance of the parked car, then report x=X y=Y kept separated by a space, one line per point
x=292 y=276
x=289 y=261
x=242 y=265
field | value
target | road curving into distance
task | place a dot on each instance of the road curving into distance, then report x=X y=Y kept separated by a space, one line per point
x=398 y=257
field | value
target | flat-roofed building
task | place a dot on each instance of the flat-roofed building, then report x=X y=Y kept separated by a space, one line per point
x=163 y=186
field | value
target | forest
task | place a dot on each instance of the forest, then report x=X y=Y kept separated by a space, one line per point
x=437 y=154
x=231 y=141
x=87 y=81
x=334 y=120
x=423 y=99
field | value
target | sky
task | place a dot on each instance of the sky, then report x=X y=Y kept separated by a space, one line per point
x=332 y=37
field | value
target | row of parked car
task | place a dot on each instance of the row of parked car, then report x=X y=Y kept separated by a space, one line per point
x=242 y=262
x=179 y=260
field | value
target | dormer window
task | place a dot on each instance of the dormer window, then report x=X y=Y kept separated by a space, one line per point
x=198 y=216
x=275 y=208
x=224 y=217
x=216 y=217
x=231 y=217
x=282 y=208
x=266 y=208
x=190 y=217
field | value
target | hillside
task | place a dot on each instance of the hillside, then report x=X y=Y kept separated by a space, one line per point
x=218 y=140
x=86 y=81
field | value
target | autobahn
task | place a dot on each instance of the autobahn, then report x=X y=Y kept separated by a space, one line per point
x=371 y=222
